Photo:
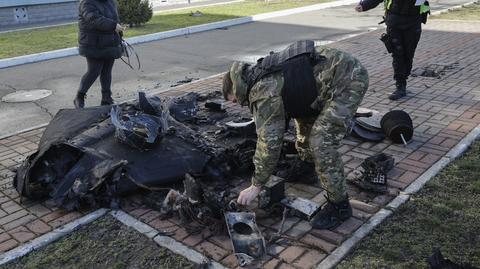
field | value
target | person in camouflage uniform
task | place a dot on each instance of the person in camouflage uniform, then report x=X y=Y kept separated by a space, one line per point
x=341 y=82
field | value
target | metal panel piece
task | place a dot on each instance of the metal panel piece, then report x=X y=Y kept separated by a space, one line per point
x=273 y=192
x=247 y=240
x=302 y=208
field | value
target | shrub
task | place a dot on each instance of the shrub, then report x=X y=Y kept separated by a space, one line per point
x=134 y=12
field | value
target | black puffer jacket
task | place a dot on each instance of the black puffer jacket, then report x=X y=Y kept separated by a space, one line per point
x=97 y=21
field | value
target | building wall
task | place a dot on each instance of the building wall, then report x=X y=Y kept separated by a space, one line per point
x=36 y=13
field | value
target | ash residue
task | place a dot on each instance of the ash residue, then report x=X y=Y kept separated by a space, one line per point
x=434 y=70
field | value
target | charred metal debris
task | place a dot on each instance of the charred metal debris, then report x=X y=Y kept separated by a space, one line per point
x=96 y=155
x=371 y=125
x=190 y=154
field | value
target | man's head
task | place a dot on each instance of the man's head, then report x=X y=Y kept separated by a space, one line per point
x=227 y=88
x=235 y=89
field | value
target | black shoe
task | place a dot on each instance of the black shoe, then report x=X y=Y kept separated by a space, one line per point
x=79 y=101
x=302 y=172
x=332 y=215
x=106 y=99
x=400 y=92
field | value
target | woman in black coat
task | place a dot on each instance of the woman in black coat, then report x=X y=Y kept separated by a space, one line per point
x=100 y=42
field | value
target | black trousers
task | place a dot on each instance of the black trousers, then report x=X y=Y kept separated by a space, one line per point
x=404 y=43
x=97 y=67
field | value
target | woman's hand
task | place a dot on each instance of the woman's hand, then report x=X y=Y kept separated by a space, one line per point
x=248 y=195
x=119 y=28
x=359 y=8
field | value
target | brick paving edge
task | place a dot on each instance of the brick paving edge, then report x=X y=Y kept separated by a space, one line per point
x=51 y=237
x=340 y=252
x=179 y=86
x=165 y=241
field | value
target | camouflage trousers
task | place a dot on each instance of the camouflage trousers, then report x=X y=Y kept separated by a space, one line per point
x=319 y=137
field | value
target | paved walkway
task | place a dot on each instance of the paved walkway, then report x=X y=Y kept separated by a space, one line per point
x=444 y=111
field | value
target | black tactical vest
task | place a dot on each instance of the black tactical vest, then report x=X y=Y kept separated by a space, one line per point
x=296 y=63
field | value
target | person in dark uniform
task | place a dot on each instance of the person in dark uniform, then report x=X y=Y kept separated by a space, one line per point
x=100 y=42
x=403 y=19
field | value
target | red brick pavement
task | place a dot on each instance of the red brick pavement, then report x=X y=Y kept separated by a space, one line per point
x=444 y=111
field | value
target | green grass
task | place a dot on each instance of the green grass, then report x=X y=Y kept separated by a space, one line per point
x=467 y=13
x=46 y=39
x=105 y=243
x=445 y=214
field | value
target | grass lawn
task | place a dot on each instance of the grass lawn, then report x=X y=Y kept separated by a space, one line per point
x=40 y=40
x=105 y=243
x=445 y=214
x=467 y=13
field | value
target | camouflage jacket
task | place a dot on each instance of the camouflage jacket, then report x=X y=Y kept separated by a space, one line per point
x=266 y=104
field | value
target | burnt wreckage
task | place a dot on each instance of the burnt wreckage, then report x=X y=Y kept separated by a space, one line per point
x=189 y=153
x=95 y=155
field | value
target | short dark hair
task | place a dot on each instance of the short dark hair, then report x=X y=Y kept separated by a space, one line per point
x=227 y=88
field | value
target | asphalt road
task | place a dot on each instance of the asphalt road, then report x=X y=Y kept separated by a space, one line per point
x=167 y=61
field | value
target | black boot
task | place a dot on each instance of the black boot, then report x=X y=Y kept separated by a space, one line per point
x=400 y=92
x=106 y=98
x=332 y=215
x=79 y=101
x=302 y=172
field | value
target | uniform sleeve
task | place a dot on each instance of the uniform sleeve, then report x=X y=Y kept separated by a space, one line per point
x=369 y=4
x=269 y=118
x=93 y=16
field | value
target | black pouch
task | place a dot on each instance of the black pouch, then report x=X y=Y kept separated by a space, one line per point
x=385 y=38
x=424 y=16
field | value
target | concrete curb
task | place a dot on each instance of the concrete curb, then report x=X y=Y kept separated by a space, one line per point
x=24 y=130
x=338 y=254
x=51 y=236
x=194 y=7
x=43 y=56
x=453 y=8
x=33 y=58
x=165 y=241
